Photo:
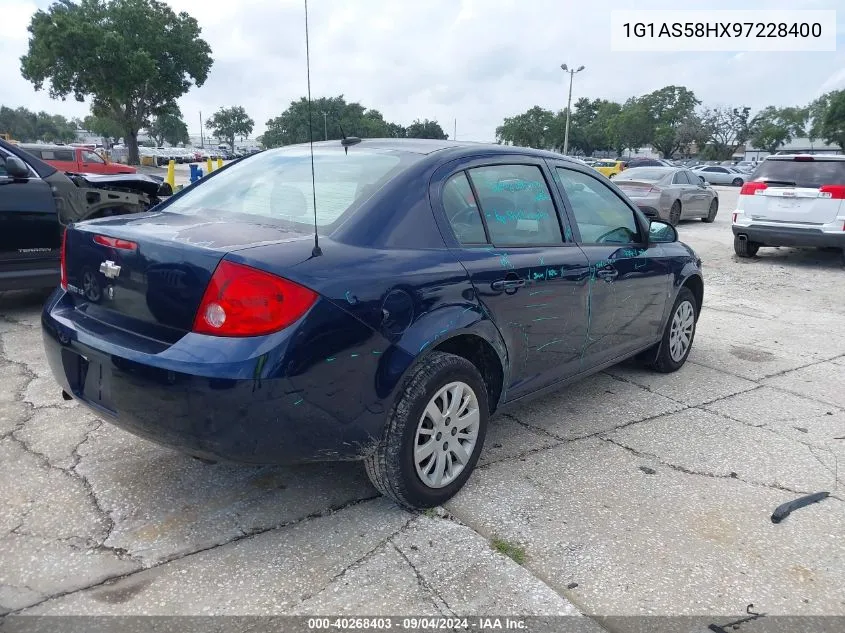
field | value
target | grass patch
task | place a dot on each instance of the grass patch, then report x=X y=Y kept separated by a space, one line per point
x=430 y=512
x=511 y=550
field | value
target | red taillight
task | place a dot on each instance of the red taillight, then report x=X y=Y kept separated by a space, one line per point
x=751 y=188
x=243 y=301
x=837 y=192
x=113 y=242
x=804 y=159
x=63 y=261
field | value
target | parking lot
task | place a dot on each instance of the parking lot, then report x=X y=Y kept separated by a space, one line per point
x=631 y=493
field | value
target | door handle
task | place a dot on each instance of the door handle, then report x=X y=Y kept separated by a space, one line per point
x=507 y=284
x=608 y=274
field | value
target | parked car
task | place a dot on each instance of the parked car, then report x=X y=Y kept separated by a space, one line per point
x=609 y=168
x=78 y=160
x=792 y=200
x=37 y=200
x=669 y=193
x=746 y=166
x=719 y=175
x=646 y=162
x=229 y=333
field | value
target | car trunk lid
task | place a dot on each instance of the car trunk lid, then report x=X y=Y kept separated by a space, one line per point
x=637 y=188
x=148 y=274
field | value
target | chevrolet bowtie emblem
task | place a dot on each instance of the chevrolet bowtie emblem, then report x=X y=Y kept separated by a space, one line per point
x=110 y=269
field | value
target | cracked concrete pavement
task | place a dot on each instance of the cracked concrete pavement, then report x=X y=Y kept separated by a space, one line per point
x=631 y=493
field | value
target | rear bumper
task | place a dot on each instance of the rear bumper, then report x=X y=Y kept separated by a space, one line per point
x=30 y=277
x=213 y=400
x=782 y=236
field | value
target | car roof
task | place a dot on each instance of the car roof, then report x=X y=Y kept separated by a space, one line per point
x=41 y=168
x=666 y=168
x=52 y=146
x=454 y=148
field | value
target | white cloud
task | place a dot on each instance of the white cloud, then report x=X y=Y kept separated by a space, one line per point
x=471 y=60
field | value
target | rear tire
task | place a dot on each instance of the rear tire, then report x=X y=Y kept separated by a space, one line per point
x=737 y=182
x=744 y=248
x=450 y=389
x=711 y=214
x=678 y=335
x=675 y=213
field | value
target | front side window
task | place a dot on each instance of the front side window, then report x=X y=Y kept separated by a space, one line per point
x=92 y=157
x=517 y=205
x=602 y=217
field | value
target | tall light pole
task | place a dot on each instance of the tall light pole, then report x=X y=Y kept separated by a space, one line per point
x=572 y=72
x=325 y=126
x=202 y=139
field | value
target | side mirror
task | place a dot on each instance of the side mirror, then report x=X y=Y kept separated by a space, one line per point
x=16 y=168
x=701 y=181
x=661 y=233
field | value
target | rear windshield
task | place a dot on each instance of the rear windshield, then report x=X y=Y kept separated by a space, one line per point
x=642 y=173
x=276 y=185
x=802 y=173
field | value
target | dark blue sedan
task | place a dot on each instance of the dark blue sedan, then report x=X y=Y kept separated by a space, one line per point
x=450 y=280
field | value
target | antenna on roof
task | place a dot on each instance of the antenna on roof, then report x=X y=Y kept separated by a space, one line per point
x=316 y=252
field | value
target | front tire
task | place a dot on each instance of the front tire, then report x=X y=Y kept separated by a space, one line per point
x=678 y=335
x=434 y=434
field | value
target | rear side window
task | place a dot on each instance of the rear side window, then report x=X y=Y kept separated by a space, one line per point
x=811 y=174
x=275 y=186
x=462 y=211
x=517 y=205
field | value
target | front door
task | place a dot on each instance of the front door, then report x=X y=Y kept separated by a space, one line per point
x=629 y=281
x=29 y=226
x=530 y=278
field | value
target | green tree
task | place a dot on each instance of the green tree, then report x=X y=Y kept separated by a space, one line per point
x=770 y=128
x=426 y=129
x=133 y=58
x=227 y=123
x=102 y=126
x=668 y=108
x=832 y=127
x=168 y=126
x=634 y=125
x=692 y=131
x=529 y=129
x=728 y=129
x=25 y=125
x=332 y=118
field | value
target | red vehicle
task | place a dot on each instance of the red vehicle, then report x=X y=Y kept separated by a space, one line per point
x=79 y=160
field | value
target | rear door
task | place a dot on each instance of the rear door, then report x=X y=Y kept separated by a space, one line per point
x=29 y=226
x=629 y=281
x=524 y=265
x=804 y=190
x=688 y=201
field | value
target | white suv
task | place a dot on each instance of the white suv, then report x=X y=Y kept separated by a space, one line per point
x=792 y=200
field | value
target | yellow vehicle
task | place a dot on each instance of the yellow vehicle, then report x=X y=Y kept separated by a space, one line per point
x=609 y=168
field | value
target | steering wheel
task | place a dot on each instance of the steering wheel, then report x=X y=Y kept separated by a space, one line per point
x=624 y=230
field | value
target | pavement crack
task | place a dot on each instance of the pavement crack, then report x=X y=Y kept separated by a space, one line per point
x=701 y=473
x=164 y=561
x=356 y=563
x=436 y=597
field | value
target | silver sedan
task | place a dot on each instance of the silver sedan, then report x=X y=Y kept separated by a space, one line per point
x=720 y=175
x=671 y=194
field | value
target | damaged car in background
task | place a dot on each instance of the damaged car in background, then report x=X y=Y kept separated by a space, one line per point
x=37 y=201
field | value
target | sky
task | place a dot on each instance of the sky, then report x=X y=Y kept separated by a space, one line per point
x=466 y=63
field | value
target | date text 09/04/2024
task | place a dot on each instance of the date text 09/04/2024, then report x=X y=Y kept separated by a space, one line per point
x=419 y=623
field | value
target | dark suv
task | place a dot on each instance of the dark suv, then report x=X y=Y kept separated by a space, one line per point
x=37 y=201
